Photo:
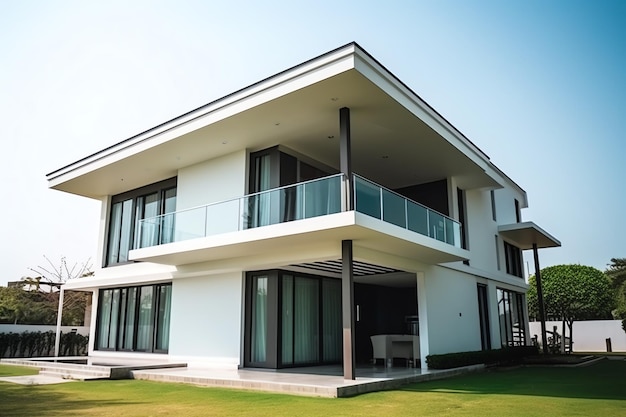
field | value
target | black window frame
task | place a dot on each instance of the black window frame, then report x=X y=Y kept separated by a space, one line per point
x=513 y=258
x=119 y=334
x=507 y=300
x=273 y=359
x=135 y=195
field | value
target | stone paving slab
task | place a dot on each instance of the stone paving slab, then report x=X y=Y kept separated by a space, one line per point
x=35 y=380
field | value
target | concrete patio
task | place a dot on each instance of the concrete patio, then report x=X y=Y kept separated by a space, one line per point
x=322 y=381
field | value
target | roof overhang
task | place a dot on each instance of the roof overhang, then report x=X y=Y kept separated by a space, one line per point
x=397 y=138
x=525 y=235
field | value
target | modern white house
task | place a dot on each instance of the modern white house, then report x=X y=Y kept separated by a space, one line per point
x=287 y=223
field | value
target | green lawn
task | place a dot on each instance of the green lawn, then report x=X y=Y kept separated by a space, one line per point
x=597 y=390
x=11 y=370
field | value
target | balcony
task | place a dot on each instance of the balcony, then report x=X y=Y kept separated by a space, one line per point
x=244 y=223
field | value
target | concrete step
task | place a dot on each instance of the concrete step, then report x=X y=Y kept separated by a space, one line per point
x=77 y=375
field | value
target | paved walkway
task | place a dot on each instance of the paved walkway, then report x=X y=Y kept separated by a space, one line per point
x=35 y=380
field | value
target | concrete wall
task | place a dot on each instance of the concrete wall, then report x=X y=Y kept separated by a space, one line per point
x=207 y=318
x=589 y=335
x=21 y=328
x=482 y=230
x=451 y=302
x=216 y=180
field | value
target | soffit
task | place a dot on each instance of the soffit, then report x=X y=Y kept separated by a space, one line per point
x=525 y=234
x=390 y=145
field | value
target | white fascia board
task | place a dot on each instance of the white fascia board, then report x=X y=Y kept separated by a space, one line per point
x=272 y=88
x=92 y=283
x=389 y=83
x=503 y=280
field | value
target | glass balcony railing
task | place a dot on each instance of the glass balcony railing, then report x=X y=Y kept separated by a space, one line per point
x=304 y=200
x=391 y=207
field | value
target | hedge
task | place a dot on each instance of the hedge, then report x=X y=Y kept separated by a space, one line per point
x=34 y=344
x=504 y=356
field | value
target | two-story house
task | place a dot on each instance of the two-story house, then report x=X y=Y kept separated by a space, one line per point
x=285 y=224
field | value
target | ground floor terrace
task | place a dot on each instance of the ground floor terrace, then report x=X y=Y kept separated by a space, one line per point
x=292 y=318
x=321 y=381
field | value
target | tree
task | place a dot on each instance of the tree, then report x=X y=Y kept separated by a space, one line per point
x=53 y=276
x=617 y=276
x=572 y=292
x=35 y=300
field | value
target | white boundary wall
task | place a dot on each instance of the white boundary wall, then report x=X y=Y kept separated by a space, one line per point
x=21 y=328
x=589 y=335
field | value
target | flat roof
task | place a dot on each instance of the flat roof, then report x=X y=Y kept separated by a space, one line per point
x=525 y=234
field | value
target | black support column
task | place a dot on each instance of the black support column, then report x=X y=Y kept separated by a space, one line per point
x=347 y=309
x=542 y=315
x=347 y=273
x=345 y=153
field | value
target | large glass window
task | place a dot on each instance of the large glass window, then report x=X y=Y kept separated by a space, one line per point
x=513 y=256
x=483 y=316
x=292 y=320
x=512 y=319
x=134 y=318
x=126 y=230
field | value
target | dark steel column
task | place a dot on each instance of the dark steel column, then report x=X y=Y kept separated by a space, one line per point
x=542 y=314
x=347 y=309
x=345 y=153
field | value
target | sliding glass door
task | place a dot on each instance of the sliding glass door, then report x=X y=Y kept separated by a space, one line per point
x=292 y=320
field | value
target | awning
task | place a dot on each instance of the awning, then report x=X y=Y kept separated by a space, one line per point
x=525 y=234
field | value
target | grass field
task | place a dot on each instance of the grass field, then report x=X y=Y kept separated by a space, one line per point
x=596 y=390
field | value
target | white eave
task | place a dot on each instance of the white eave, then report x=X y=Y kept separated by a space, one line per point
x=305 y=90
x=525 y=235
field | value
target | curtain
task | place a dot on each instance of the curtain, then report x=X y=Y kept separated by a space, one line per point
x=129 y=324
x=163 y=318
x=259 y=319
x=287 y=320
x=144 y=327
x=148 y=210
x=332 y=324
x=104 y=321
x=306 y=332
x=168 y=223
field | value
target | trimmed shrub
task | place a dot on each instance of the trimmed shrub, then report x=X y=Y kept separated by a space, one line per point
x=33 y=344
x=505 y=356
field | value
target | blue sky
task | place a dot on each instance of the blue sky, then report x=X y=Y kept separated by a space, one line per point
x=539 y=86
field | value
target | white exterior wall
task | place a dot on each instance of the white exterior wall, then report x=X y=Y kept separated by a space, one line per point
x=482 y=230
x=505 y=205
x=212 y=181
x=451 y=302
x=206 y=319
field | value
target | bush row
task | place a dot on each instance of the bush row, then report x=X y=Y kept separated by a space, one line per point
x=33 y=344
x=504 y=356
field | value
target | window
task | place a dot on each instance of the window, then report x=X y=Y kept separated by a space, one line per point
x=512 y=321
x=497 y=241
x=134 y=318
x=462 y=207
x=518 y=213
x=292 y=320
x=126 y=231
x=483 y=316
x=513 y=256
x=493 y=205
